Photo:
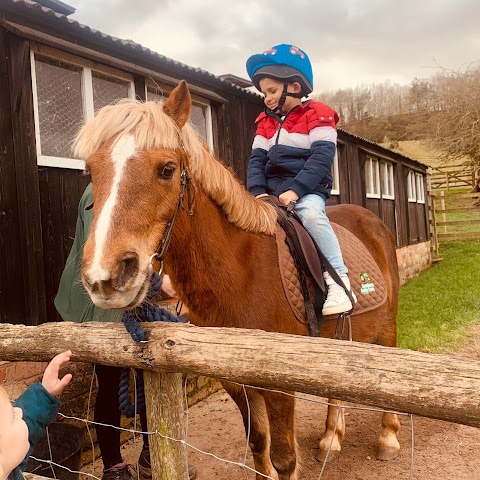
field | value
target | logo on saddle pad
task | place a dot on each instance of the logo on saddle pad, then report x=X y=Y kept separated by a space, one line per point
x=367 y=286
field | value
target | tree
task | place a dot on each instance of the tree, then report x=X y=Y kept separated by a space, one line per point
x=457 y=122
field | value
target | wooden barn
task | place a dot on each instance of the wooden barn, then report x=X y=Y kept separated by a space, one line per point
x=55 y=73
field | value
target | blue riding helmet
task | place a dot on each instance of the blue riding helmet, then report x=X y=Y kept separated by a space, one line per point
x=282 y=62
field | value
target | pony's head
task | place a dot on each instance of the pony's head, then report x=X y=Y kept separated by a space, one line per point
x=135 y=153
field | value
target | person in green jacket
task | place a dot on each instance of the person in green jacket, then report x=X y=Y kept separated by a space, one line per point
x=74 y=305
x=24 y=423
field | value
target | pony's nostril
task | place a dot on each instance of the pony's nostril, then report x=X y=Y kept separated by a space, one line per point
x=90 y=284
x=93 y=286
x=128 y=268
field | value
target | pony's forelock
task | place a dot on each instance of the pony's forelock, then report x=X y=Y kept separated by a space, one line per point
x=146 y=121
x=152 y=129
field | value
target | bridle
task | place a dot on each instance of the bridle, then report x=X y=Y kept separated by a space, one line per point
x=187 y=188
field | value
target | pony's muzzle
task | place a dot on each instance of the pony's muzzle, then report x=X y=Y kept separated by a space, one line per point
x=113 y=281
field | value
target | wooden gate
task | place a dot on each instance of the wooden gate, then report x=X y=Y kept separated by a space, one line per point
x=457 y=215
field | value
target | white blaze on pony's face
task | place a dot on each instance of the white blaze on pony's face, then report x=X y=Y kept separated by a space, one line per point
x=122 y=151
x=134 y=156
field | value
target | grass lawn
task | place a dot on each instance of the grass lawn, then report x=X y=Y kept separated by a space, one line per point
x=437 y=307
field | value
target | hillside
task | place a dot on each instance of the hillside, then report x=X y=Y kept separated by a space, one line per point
x=408 y=134
x=419 y=150
x=392 y=128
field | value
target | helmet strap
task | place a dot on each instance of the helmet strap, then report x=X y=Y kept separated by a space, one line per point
x=281 y=102
x=284 y=96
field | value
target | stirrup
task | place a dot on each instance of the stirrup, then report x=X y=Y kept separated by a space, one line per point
x=345 y=320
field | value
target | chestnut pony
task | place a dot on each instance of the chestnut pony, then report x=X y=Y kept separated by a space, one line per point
x=222 y=255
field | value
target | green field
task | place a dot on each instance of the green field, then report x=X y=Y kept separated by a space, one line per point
x=438 y=307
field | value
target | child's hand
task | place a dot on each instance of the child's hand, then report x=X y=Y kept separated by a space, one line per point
x=261 y=195
x=52 y=384
x=287 y=197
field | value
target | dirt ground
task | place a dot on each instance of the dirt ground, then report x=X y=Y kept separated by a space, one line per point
x=441 y=450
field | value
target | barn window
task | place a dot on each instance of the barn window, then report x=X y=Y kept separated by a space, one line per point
x=107 y=90
x=411 y=187
x=200 y=116
x=386 y=176
x=420 y=188
x=335 y=175
x=372 y=177
x=67 y=91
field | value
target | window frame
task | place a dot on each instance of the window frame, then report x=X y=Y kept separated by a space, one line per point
x=411 y=187
x=388 y=175
x=371 y=163
x=420 y=187
x=88 y=112
x=196 y=100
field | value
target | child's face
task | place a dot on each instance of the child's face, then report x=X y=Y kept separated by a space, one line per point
x=273 y=89
x=14 y=443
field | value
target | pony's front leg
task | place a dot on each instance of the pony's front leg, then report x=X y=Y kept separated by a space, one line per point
x=283 y=449
x=388 y=445
x=332 y=438
x=254 y=413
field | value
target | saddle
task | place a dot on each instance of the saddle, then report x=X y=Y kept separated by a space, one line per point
x=366 y=278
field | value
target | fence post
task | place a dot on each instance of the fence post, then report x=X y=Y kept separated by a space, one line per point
x=165 y=414
x=442 y=206
x=434 y=224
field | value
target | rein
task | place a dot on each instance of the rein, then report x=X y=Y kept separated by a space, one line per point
x=185 y=188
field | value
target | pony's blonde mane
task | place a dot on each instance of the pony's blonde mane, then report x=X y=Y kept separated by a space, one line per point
x=153 y=128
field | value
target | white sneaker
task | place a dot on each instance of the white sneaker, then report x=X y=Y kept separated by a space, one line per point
x=337 y=300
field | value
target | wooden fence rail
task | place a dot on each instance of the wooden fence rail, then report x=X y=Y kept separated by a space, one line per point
x=436 y=386
x=445 y=228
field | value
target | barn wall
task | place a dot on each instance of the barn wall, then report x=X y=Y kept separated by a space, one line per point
x=401 y=204
x=23 y=292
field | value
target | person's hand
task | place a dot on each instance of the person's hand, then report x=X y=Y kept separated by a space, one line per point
x=167 y=286
x=52 y=384
x=261 y=195
x=287 y=197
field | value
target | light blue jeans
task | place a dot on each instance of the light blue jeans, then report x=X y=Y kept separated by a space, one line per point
x=311 y=209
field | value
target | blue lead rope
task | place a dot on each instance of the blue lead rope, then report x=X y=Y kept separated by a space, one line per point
x=146 y=312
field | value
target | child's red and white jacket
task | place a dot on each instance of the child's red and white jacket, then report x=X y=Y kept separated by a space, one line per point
x=294 y=153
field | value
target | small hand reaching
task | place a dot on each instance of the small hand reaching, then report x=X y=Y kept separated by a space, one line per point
x=52 y=384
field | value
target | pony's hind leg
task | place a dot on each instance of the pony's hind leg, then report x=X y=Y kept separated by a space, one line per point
x=283 y=449
x=255 y=419
x=332 y=438
x=388 y=445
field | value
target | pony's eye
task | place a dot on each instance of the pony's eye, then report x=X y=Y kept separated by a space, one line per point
x=166 y=172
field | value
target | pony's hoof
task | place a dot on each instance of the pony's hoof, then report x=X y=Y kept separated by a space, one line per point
x=321 y=455
x=386 y=454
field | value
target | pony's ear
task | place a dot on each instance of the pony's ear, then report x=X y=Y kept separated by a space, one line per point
x=179 y=104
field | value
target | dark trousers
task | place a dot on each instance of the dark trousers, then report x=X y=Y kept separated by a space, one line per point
x=107 y=411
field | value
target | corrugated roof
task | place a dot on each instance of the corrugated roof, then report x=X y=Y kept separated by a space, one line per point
x=42 y=15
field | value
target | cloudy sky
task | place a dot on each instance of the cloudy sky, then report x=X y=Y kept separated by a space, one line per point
x=349 y=42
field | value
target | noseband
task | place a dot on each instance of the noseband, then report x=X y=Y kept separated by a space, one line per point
x=186 y=189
